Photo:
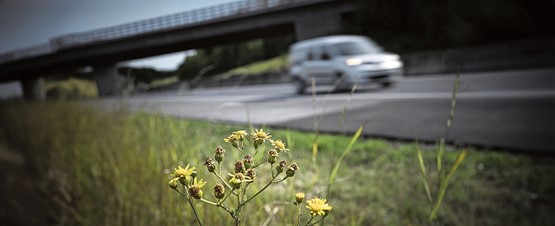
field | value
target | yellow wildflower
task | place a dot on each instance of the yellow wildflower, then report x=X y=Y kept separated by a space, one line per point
x=318 y=206
x=260 y=135
x=184 y=175
x=195 y=190
x=279 y=145
x=240 y=134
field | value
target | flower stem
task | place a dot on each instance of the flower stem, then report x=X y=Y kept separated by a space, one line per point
x=225 y=198
x=217 y=205
x=226 y=184
x=317 y=221
x=298 y=215
x=194 y=210
x=261 y=190
x=308 y=222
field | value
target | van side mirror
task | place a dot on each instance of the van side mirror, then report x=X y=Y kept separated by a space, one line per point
x=325 y=56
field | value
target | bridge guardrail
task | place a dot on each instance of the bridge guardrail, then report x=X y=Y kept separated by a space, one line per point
x=170 y=21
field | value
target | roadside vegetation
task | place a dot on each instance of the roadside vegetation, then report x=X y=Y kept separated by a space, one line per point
x=82 y=166
x=70 y=89
x=275 y=64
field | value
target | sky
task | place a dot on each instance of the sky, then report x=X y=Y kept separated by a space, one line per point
x=25 y=23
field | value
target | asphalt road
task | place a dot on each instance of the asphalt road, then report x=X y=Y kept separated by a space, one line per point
x=506 y=109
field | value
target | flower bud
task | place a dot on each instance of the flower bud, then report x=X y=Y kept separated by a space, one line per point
x=193 y=174
x=219 y=154
x=257 y=143
x=251 y=173
x=272 y=156
x=248 y=161
x=172 y=184
x=219 y=191
x=195 y=192
x=210 y=164
x=239 y=167
x=236 y=180
x=281 y=166
x=292 y=169
x=299 y=198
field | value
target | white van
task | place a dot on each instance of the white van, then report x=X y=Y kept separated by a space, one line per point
x=341 y=61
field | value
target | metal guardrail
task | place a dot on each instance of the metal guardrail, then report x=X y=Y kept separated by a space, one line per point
x=149 y=25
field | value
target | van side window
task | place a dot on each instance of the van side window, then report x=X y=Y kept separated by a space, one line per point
x=316 y=53
x=325 y=56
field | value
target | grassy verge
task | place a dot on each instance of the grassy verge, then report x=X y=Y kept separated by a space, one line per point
x=70 y=89
x=94 y=168
x=274 y=64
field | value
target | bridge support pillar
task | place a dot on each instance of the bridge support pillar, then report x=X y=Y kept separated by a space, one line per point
x=33 y=89
x=108 y=82
x=319 y=23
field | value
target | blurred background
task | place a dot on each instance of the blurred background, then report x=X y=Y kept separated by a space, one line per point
x=95 y=92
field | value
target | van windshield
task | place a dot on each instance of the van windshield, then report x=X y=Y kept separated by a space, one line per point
x=355 y=48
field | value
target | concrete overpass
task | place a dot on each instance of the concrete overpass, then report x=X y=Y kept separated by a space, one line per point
x=227 y=23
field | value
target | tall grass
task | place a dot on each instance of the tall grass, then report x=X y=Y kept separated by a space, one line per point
x=98 y=168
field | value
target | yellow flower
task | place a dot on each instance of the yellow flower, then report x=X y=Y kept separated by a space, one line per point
x=299 y=198
x=318 y=206
x=231 y=139
x=240 y=134
x=195 y=190
x=260 y=135
x=279 y=145
x=183 y=174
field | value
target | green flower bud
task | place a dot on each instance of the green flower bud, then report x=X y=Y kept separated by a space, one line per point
x=236 y=180
x=292 y=169
x=219 y=154
x=239 y=167
x=248 y=161
x=251 y=173
x=272 y=156
x=172 y=184
x=281 y=166
x=195 y=192
x=210 y=164
x=219 y=191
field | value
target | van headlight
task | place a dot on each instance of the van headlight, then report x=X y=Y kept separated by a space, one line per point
x=391 y=64
x=353 y=61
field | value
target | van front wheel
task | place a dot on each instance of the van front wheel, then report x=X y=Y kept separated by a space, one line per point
x=300 y=85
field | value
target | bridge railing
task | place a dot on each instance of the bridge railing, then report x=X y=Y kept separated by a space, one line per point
x=166 y=22
x=30 y=51
x=149 y=25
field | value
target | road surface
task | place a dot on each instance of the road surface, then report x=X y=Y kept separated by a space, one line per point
x=506 y=109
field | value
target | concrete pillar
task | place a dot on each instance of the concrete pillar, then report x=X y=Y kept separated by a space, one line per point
x=33 y=89
x=318 y=23
x=108 y=82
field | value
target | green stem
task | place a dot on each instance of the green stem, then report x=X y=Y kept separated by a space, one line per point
x=238 y=210
x=443 y=188
x=226 y=184
x=225 y=198
x=308 y=222
x=298 y=215
x=194 y=210
x=260 y=191
x=317 y=221
x=219 y=168
x=260 y=163
x=217 y=205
